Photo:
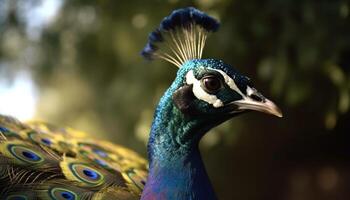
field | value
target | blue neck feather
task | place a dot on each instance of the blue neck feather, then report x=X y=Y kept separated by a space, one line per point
x=176 y=168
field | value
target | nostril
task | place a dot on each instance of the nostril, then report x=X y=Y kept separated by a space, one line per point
x=256 y=97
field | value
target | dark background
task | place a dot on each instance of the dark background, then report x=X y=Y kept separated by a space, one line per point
x=85 y=65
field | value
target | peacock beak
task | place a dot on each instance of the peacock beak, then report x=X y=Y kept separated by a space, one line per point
x=265 y=106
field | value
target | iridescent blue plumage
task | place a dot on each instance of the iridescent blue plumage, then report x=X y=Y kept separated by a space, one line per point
x=175 y=23
x=176 y=166
x=205 y=93
x=185 y=16
x=41 y=161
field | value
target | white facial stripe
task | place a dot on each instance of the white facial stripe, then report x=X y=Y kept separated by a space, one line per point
x=250 y=91
x=230 y=82
x=200 y=93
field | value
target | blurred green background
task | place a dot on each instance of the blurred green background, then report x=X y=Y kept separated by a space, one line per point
x=77 y=63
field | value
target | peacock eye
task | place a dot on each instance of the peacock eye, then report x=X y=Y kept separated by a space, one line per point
x=211 y=83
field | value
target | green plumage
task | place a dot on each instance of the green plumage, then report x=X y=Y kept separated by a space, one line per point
x=41 y=161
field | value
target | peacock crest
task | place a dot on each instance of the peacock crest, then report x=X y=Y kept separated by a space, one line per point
x=42 y=161
x=180 y=37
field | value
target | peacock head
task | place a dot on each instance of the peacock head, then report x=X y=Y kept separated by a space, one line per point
x=209 y=87
x=203 y=87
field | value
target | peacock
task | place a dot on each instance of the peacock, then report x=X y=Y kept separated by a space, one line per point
x=43 y=161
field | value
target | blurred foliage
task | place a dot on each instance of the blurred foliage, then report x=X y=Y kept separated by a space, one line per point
x=86 y=63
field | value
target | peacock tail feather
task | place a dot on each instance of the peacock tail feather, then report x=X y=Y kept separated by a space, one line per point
x=42 y=161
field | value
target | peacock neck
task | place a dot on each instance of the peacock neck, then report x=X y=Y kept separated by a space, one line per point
x=176 y=167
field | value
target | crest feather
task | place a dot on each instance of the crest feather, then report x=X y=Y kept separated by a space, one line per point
x=180 y=37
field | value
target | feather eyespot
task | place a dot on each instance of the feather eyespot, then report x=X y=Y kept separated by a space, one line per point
x=3 y=129
x=87 y=174
x=62 y=194
x=30 y=155
x=25 y=154
x=91 y=174
x=8 y=133
x=16 y=197
x=100 y=153
x=40 y=138
x=46 y=141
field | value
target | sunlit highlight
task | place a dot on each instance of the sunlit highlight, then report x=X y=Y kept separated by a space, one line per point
x=18 y=98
